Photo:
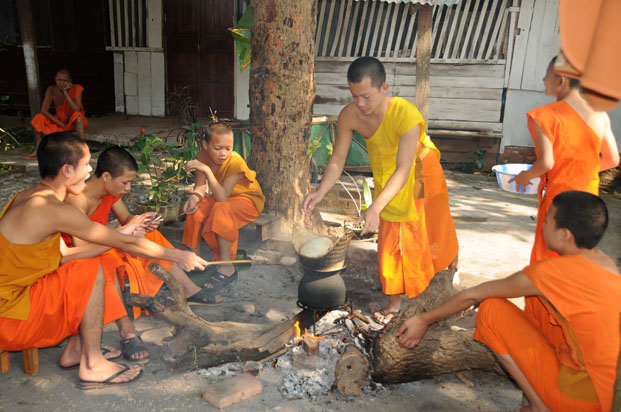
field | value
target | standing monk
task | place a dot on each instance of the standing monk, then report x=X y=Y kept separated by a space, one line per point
x=409 y=254
x=116 y=169
x=69 y=112
x=48 y=291
x=570 y=366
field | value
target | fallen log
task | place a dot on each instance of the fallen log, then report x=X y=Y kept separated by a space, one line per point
x=444 y=348
x=199 y=343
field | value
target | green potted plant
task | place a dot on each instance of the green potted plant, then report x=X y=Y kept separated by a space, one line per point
x=164 y=163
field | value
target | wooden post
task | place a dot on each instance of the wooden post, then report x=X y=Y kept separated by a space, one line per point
x=31 y=361
x=423 y=58
x=5 y=362
x=29 y=44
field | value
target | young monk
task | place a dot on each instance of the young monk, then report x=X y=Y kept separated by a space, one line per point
x=69 y=112
x=236 y=199
x=573 y=144
x=409 y=253
x=116 y=169
x=48 y=291
x=571 y=364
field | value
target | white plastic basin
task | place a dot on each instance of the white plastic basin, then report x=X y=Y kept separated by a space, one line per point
x=506 y=172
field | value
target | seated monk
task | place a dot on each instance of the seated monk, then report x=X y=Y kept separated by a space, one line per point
x=49 y=292
x=236 y=199
x=115 y=171
x=569 y=364
x=69 y=112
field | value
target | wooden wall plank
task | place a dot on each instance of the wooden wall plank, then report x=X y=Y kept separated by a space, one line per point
x=337 y=34
x=390 y=50
x=352 y=28
x=448 y=12
x=534 y=37
x=410 y=30
x=521 y=44
x=495 y=44
x=472 y=18
x=347 y=29
x=320 y=22
x=465 y=16
x=400 y=31
x=363 y=23
x=492 y=16
x=367 y=31
x=376 y=34
x=328 y=25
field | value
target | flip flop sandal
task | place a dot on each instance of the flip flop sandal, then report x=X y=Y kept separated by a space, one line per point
x=108 y=382
x=220 y=281
x=104 y=352
x=384 y=316
x=132 y=346
x=203 y=297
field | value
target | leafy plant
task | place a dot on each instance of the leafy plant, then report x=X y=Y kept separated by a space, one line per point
x=475 y=161
x=180 y=105
x=165 y=164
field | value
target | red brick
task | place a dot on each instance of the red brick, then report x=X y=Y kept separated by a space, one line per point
x=232 y=390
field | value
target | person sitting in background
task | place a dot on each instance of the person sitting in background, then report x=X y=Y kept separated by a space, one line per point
x=69 y=112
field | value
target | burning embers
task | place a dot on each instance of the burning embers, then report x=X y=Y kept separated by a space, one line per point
x=310 y=342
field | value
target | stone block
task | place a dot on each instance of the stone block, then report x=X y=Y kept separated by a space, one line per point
x=233 y=390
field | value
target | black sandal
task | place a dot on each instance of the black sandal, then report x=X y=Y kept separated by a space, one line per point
x=131 y=346
x=220 y=281
x=203 y=297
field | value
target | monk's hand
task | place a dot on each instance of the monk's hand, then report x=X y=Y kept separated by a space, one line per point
x=522 y=180
x=310 y=201
x=68 y=87
x=190 y=261
x=371 y=221
x=196 y=165
x=411 y=331
x=189 y=206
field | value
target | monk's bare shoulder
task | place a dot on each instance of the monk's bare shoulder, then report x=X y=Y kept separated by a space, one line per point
x=202 y=156
x=605 y=261
x=348 y=115
x=80 y=201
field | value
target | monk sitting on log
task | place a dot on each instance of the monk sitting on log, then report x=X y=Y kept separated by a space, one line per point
x=69 y=112
x=410 y=208
x=49 y=292
x=116 y=169
x=565 y=359
x=236 y=199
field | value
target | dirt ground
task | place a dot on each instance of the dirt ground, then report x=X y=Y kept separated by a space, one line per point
x=495 y=230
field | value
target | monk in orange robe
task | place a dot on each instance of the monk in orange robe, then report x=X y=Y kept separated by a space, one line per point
x=394 y=132
x=69 y=112
x=48 y=291
x=573 y=144
x=116 y=169
x=236 y=199
x=569 y=365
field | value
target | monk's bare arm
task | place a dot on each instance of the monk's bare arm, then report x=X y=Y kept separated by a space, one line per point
x=544 y=162
x=516 y=285
x=610 y=151
x=336 y=163
x=76 y=105
x=45 y=107
x=121 y=212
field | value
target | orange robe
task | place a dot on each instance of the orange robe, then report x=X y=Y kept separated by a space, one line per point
x=64 y=113
x=225 y=218
x=406 y=261
x=41 y=303
x=123 y=265
x=576 y=150
x=571 y=361
x=438 y=220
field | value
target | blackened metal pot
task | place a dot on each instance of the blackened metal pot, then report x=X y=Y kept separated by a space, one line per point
x=321 y=290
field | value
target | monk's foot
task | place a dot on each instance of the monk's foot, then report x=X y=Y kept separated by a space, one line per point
x=134 y=349
x=68 y=363
x=221 y=279
x=384 y=315
x=105 y=374
x=30 y=156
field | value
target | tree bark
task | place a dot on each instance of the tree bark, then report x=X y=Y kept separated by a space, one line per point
x=282 y=91
x=423 y=58
x=442 y=350
x=199 y=343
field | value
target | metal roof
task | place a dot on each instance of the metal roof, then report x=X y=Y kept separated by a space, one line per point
x=431 y=2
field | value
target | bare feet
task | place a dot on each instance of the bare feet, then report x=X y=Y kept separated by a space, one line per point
x=30 y=156
x=105 y=373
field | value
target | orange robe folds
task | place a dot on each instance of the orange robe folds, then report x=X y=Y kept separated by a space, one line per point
x=123 y=265
x=224 y=219
x=406 y=259
x=576 y=150
x=41 y=303
x=441 y=232
x=571 y=360
x=64 y=113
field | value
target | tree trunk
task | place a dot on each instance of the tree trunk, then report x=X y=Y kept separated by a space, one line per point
x=423 y=58
x=282 y=91
x=29 y=44
x=442 y=350
x=199 y=343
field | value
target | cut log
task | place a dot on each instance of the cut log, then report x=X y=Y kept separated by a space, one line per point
x=442 y=350
x=199 y=343
x=351 y=371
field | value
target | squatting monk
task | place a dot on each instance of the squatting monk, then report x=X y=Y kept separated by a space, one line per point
x=570 y=364
x=115 y=171
x=573 y=144
x=235 y=200
x=411 y=247
x=65 y=98
x=49 y=292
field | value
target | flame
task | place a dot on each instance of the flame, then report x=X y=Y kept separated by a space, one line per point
x=297 y=329
x=305 y=331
